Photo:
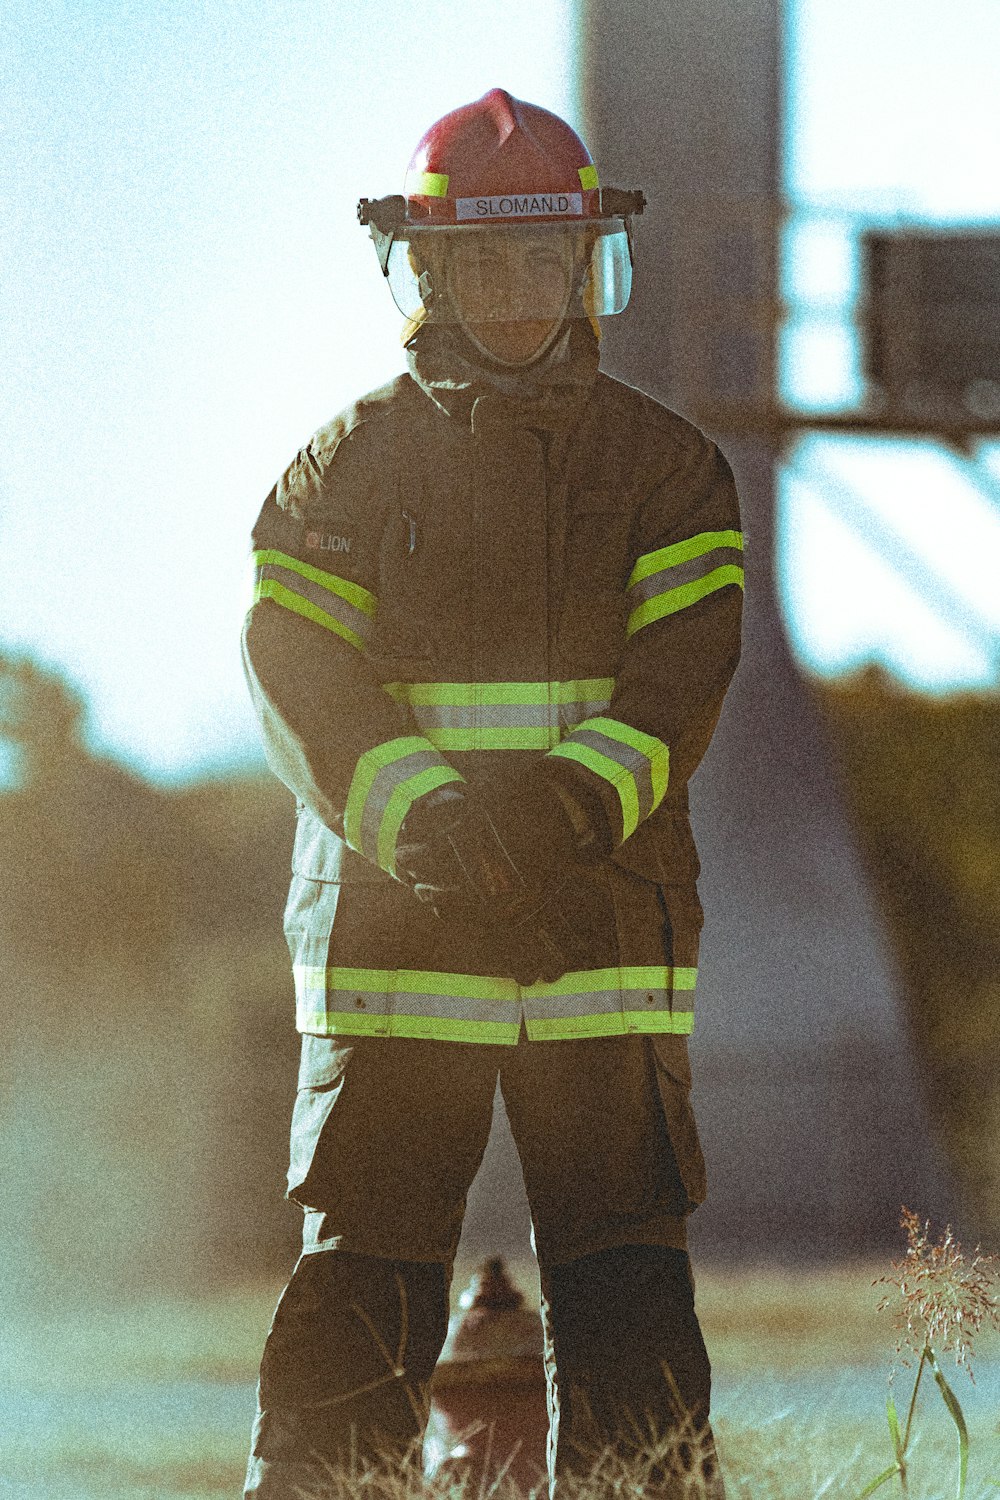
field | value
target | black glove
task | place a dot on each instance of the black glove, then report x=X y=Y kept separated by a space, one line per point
x=502 y=860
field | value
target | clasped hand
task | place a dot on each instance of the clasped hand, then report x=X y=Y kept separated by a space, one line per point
x=504 y=864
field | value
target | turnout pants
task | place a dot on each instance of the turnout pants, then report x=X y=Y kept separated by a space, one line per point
x=387 y=1135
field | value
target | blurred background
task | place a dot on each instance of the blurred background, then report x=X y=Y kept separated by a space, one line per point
x=186 y=296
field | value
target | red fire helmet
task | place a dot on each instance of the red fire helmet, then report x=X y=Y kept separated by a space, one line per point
x=501 y=159
x=506 y=194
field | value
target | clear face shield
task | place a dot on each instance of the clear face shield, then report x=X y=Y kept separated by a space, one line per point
x=512 y=283
x=510 y=273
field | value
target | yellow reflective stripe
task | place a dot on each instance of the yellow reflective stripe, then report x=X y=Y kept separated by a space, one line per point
x=343 y=587
x=614 y=1023
x=428 y=1028
x=471 y=694
x=611 y=771
x=669 y=602
x=502 y=1033
x=588 y=177
x=685 y=979
x=269 y=588
x=536 y=738
x=447 y=1029
x=415 y=981
x=678 y=552
x=427 y=184
x=582 y=981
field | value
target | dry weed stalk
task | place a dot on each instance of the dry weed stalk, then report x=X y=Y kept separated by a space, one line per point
x=941 y=1302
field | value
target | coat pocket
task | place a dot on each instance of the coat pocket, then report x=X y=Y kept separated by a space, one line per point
x=662 y=849
x=662 y=852
x=598 y=529
x=309 y=916
x=323 y=1069
x=673 y=1082
x=319 y=854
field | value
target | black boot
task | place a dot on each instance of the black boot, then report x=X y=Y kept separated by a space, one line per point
x=629 y=1377
x=344 y=1376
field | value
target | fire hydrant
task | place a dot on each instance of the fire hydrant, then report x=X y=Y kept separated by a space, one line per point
x=488 y=1412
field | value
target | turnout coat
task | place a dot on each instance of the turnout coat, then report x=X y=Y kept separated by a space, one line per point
x=451 y=585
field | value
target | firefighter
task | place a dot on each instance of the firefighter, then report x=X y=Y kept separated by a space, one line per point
x=496 y=610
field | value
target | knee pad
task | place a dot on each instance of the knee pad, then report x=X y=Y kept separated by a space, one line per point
x=345 y=1322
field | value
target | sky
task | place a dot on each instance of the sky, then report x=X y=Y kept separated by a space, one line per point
x=185 y=296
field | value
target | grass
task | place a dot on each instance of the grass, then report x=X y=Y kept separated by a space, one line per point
x=153 y=1402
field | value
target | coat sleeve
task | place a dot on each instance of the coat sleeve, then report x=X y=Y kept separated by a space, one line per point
x=347 y=750
x=684 y=604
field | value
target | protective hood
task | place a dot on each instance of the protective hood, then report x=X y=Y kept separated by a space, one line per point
x=548 y=394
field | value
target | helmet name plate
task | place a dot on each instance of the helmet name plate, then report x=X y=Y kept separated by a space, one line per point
x=520 y=206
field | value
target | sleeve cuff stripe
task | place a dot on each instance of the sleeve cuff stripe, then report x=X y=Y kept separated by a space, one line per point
x=399 y=804
x=610 y=771
x=654 y=750
x=387 y=781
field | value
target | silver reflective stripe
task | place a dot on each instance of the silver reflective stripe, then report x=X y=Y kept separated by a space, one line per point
x=681 y=573
x=455 y=1008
